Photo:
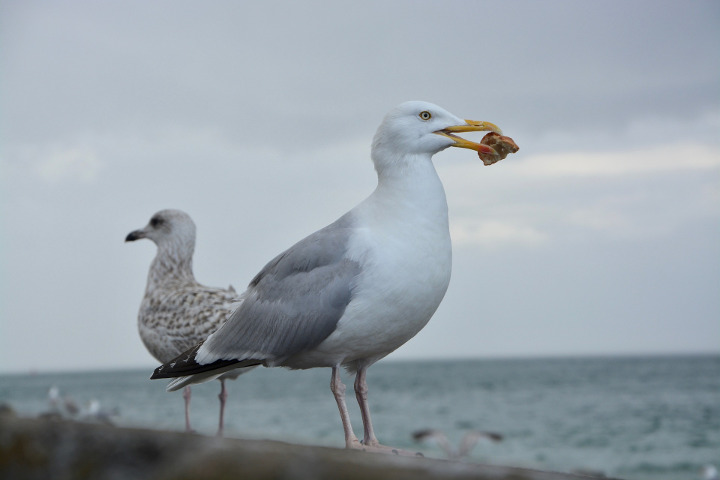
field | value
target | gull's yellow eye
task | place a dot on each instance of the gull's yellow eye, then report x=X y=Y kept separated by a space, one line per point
x=425 y=115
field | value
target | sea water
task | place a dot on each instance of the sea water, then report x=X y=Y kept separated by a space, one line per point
x=635 y=418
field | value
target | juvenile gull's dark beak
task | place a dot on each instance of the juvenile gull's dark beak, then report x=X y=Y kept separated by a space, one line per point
x=135 y=235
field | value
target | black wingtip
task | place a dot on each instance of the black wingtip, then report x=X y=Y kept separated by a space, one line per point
x=170 y=371
x=158 y=373
x=184 y=365
x=180 y=366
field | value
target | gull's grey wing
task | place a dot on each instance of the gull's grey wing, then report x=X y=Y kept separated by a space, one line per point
x=293 y=304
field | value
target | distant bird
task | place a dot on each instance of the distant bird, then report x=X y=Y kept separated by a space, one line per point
x=468 y=442
x=61 y=404
x=71 y=407
x=93 y=412
x=54 y=399
x=177 y=312
x=354 y=291
x=709 y=472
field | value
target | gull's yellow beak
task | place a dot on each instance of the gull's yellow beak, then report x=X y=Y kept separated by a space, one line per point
x=470 y=126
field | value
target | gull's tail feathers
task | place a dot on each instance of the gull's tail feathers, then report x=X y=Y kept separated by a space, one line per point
x=229 y=372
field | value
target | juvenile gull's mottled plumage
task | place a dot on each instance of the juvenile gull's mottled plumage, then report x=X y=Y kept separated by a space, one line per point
x=177 y=312
x=353 y=292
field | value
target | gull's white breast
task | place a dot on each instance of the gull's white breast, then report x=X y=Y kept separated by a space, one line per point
x=406 y=256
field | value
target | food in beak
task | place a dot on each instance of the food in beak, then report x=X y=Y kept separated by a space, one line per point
x=500 y=145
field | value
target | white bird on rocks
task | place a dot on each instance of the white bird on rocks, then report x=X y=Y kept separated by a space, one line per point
x=177 y=312
x=356 y=290
x=709 y=472
x=93 y=412
x=467 y=443
x=61 y=404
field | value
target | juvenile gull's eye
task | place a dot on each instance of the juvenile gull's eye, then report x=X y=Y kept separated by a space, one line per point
x=155 y=221
x=425 y=115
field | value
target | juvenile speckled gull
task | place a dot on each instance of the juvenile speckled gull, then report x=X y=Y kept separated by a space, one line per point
x=354 y=291
x=177 y=312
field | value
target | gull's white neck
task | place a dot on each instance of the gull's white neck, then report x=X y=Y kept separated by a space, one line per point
x=409 y=187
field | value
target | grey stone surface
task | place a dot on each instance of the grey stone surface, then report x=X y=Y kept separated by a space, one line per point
x=59 y=449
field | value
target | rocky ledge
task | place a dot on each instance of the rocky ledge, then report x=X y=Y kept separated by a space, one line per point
x=60 y=449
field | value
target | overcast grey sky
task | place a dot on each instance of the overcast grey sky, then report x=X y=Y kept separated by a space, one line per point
x=601 y=236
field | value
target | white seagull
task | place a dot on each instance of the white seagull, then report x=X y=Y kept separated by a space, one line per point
x=356 y=290
x=468 y=442
x=177 y=312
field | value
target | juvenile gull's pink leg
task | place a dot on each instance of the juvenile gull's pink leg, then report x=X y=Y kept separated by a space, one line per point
x=187 y=393
x=223 y=397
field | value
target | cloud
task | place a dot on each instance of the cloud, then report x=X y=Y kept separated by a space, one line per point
x=494 y=233
x=584 y=196
x=52 y=163
x=662 y=159
x=144 y=116
x=74 y=164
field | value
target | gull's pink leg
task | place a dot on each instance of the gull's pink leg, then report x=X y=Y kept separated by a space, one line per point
x=223 y=397
x=338 y=390
x=370 y=442
x=186 y=395
x=361 y=390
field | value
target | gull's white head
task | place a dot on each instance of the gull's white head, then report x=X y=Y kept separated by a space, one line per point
x=167 y=227
x=422 y=128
